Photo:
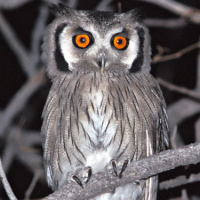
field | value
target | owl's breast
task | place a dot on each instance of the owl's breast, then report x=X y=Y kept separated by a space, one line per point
x=100 y=123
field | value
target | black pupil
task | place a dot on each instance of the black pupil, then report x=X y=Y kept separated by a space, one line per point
x=82 y=40
x=119 y=41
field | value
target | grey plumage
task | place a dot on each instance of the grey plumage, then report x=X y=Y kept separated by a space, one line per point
x=93 y=116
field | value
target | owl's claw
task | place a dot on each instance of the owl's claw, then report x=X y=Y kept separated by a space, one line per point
x=114 y=165
x=89 y=174
x=78 y=181
x=137 y=182
x=124 y=166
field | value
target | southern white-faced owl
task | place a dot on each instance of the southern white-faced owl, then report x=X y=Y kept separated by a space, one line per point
x=104 y=108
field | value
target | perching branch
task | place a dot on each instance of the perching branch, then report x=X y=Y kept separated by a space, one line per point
x=106 y=182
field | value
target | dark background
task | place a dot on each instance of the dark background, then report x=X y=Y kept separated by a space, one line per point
x=182 y=72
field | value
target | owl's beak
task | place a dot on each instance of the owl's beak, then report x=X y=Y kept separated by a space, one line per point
x=102 y=62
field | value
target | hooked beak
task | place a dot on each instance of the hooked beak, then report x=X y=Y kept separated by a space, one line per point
x=102 y=62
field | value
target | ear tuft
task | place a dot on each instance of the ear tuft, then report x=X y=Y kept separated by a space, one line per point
x=132 y=15
x=61 y=10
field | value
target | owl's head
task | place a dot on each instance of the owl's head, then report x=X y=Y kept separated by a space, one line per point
x=96 y=41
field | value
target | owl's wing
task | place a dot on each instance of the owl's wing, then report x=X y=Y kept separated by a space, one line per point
x=157 y=138
x=49 y=137
x=156 y=118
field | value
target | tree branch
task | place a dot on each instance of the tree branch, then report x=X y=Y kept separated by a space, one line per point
x=12 y=4
x=20 y=99
x=178 y=181
x=105 y=182
x=161 y=58
x=179 y=89
x=15 y=44
x=181 y=110
x=165 y=23
x=178 y=8
x=6 y=184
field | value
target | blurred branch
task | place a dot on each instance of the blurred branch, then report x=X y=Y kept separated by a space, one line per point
x=178 y=181
x=31 y=187
x=20 y=99
x=104 y=5
x=20 y=144
x=105 y=182
x=197 y=130
x=182 y=109
x=166 y=23
x=161 y=58
x=179 y=89
x=14 y=43
x=173 y=138
x=184 y=194
x=198 y=71
x=12 y=4
x=37 y=34
x=6 y=184
x=178 y=8
x=72 y=3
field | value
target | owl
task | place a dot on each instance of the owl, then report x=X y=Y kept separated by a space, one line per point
x=104 y=109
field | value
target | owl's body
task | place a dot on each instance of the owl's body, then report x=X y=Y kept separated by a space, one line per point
x=103 y=105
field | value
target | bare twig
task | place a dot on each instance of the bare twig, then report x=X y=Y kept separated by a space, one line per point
x=119 y=7
x=178 y=8
x=160 y=58
x=179 y=89
x=6 y=184
x=105 y=182
x=20 y=99
x=36 y=177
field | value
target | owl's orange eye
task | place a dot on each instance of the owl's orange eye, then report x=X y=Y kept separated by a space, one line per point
x=82 y=41
x=120 y=42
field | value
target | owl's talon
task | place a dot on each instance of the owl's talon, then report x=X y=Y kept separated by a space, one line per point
x=124 y=166
x=78 y=181
x=114 y=166
x=89 y=174
x=136 y=182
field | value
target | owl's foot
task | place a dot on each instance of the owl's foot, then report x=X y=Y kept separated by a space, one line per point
x=124 y=166
x=114 y=165
x=78 y=181
x=86 y=173
x=89 y=172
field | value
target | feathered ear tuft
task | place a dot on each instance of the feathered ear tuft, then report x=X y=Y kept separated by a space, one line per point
x=132 y=15
x=61 y=10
